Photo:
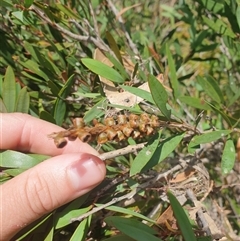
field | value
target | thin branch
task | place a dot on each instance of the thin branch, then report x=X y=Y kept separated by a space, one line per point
x=77 y=37
x=130 y=194
x=122 y=151
x=130 y=42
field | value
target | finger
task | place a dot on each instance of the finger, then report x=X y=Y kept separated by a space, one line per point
x=45 y=187
x=28 y=134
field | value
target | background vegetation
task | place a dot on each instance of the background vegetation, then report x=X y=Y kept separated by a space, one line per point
x=188 y=51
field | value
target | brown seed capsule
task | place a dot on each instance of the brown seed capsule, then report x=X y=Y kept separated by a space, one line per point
x=149 y=130
x=136 y=134
x=102 y=138
x=111 y=134
x=84 y=136
x=120 y=136
x=109 y=121
x=142 y=127
x=122 y=119
x=144 y=118
x=60 y=142
x=133 y=121
x=154 y=121
x=127 y=131
x=78 y=122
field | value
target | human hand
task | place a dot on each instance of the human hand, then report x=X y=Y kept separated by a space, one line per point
x=70 y=173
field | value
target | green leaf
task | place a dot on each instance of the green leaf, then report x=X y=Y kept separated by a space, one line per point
x=219 y=27
x=9 y=90
x=133 y=228
x=144 y=155
x=194 y=102
x=96 y=111
x=159 y=95
x=23 y=101
x=103 y=70
x=164 y=148
x=211 y=88
x=3 y=108
x=129 y=212
x=44 y=115
x=139 y=92
x=182 y=219
x=64 y=220
x=60 y=106
x=228 y=156
x=14 y=159
x=113 y=45
x=81 y=231
x=238 y=15
x=14 y=172
x=172 y=73
x=212 y=6
x=28 y=3
x=119 y=237
x=206 y=138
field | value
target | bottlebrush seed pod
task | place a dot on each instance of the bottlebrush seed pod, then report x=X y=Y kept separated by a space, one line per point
x=121 y=119
x=109 y=121
x=144 y=118
x=60 y=142
x=133 y=121
x=121 y=136
x=111 y=134
x=113 y=129
x=102 y=138
x=127 y=131
x=136 y=134
x=78 y=122
x=149 y=130
x=84 y=136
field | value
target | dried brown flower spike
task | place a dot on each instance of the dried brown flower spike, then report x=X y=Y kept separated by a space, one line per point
x=111 y=129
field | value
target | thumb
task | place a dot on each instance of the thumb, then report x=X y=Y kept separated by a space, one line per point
x=45 y=187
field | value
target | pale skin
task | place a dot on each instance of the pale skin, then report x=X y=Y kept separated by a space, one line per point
x=71 y=172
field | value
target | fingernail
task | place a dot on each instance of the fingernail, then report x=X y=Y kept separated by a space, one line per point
x=85 y=172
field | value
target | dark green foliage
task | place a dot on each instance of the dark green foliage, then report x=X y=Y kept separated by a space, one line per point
x=48 y=69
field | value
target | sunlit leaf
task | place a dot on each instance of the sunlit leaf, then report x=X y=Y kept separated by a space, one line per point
x=206 y=138
x=194 y=102
x=133 y=228
x=219 y=26
x=172 y=73
x=23 y=101
x=103 y=70
x=182 y=219
x=228 y=156
x=144 y=156
x=159 y=95
x=14 y=159
x=9 y=90
x=211 y=88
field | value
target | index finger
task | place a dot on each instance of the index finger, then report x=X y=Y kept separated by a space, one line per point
x=25 y=133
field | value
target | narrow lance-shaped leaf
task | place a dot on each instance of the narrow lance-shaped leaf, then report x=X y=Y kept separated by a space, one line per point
x=173 y=74
x=206 y=138
x=228 y=156
x=9 y=90
x=164 y=148
x=144 y=156
x=211 y=88
x=159 y=95
x=103 y=70
x=23 y=101
x=182 y=219
x=133 y=228
x=60 y=106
